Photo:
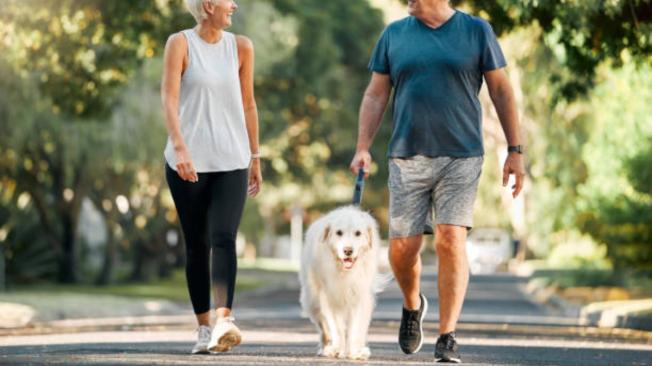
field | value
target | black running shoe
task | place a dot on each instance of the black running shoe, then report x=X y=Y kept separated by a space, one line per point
x=446 y=349
x=410 y=336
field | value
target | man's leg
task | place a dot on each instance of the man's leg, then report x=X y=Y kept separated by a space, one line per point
x=410 y=186
x=453 y=279
x=454 y=196
x=406 y=265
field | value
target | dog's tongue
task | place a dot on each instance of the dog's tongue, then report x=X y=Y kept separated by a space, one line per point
x=348 y=263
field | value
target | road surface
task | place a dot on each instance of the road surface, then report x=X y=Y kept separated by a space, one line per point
x=500 y=325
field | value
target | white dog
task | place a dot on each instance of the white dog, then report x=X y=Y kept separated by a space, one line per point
x=339 y=280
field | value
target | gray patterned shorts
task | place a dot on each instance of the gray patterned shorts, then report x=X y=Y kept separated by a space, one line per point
x=419 y=184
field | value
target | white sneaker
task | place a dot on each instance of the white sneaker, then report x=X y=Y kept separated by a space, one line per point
x=225 y=336
x=203 y=338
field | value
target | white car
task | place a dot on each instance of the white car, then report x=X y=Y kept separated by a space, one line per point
x=488 y=249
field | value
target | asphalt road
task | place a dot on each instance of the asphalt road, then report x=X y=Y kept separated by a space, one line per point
x=500 y=325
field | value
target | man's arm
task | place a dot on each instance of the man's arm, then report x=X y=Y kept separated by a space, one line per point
x=503 y=99
x=372 y=109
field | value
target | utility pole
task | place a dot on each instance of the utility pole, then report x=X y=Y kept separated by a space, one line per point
x=296 y=234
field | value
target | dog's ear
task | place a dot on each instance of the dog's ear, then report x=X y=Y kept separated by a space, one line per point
x=370 y=236
x=327 y=231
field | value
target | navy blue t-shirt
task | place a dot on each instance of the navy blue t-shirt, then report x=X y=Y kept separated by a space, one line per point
x=437 y=74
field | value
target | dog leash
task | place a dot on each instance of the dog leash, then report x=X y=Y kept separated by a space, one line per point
x=359 y=187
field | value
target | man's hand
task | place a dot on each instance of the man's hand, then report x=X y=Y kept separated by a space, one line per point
x=514 y=165
x=362 y=159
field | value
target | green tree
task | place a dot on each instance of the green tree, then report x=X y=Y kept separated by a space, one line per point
x=311 y=73
x=581 y=34
x=82 y=51
x=615 y=203
x=44 y=160
x=623 y=223
x=79 y=54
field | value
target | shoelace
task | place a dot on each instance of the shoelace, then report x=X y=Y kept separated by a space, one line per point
x=449 y=342
x=203 y=332
x=412 y=322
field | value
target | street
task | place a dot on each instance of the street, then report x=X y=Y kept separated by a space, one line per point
x=500 y=325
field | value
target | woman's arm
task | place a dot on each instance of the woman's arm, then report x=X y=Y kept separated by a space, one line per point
x=246 y=57
x=173 y=67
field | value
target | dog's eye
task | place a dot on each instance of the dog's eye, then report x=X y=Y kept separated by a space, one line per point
x=339 y=232
x=357 y=233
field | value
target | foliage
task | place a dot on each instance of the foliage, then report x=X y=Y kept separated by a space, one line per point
x=81 y=54
x=623 y=223
x=49 y=167
x=582 y=34
x=80 y=120
x=81 y=51
x=615 y=206
x=310 y=78
x=41 y=167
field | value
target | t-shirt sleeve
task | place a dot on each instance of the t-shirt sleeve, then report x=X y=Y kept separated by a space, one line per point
x=492 y=57
x=379 y=57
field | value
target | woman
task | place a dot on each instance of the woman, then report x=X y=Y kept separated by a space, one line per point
x=212 y=157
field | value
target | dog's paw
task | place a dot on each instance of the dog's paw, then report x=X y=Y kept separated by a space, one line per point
x=360 y=354
x=330 y=351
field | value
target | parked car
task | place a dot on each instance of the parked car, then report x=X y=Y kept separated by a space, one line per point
x=489 y=249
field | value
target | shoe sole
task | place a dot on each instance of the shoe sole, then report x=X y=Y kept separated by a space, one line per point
x=226 y=342
x=200 y=352
x=448 y=360
x=423 y=315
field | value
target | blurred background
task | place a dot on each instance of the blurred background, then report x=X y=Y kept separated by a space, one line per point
x=84 y=207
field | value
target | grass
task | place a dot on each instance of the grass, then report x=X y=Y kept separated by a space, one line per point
x=168 y=296
x=173 y=288
x=581 y=277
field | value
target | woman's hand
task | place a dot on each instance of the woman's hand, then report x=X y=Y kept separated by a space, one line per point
x=255 y=178
x=185 y=167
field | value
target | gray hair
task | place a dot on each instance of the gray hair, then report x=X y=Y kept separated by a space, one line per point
x=196 y=8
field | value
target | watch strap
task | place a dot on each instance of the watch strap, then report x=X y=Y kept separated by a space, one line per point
x=515 y=148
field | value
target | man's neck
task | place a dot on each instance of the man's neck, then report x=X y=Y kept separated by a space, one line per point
x=438 y=14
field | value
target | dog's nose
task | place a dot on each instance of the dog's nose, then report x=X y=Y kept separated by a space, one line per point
x=348 y=251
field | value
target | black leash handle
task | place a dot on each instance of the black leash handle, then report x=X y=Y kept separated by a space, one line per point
x=359 y=187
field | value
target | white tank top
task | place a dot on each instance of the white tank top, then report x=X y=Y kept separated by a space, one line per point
x=211 y=114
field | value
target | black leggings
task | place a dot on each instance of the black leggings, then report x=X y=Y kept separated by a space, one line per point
x=210 y=212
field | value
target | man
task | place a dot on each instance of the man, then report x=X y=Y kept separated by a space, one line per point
x=435 y=60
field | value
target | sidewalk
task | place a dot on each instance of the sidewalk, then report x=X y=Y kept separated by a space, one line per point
x=46 y=312
x=629 y=314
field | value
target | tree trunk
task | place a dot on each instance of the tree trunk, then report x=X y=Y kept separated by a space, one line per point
x=68 y=259
x=138 y=269
x=106 y=274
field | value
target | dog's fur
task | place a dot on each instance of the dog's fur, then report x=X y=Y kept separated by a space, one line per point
x=337 y=290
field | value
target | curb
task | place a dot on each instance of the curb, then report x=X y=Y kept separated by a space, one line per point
x=622 y=314
x=123 y=323
x=546 y=295
x=150 y=322
x=159 y=323
x=626 y=314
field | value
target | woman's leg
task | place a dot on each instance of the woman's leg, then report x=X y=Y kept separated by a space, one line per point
x=228 y=195
x=191 y=201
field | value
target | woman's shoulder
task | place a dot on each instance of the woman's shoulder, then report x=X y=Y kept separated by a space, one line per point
x=243 y=42
x=178 y=39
